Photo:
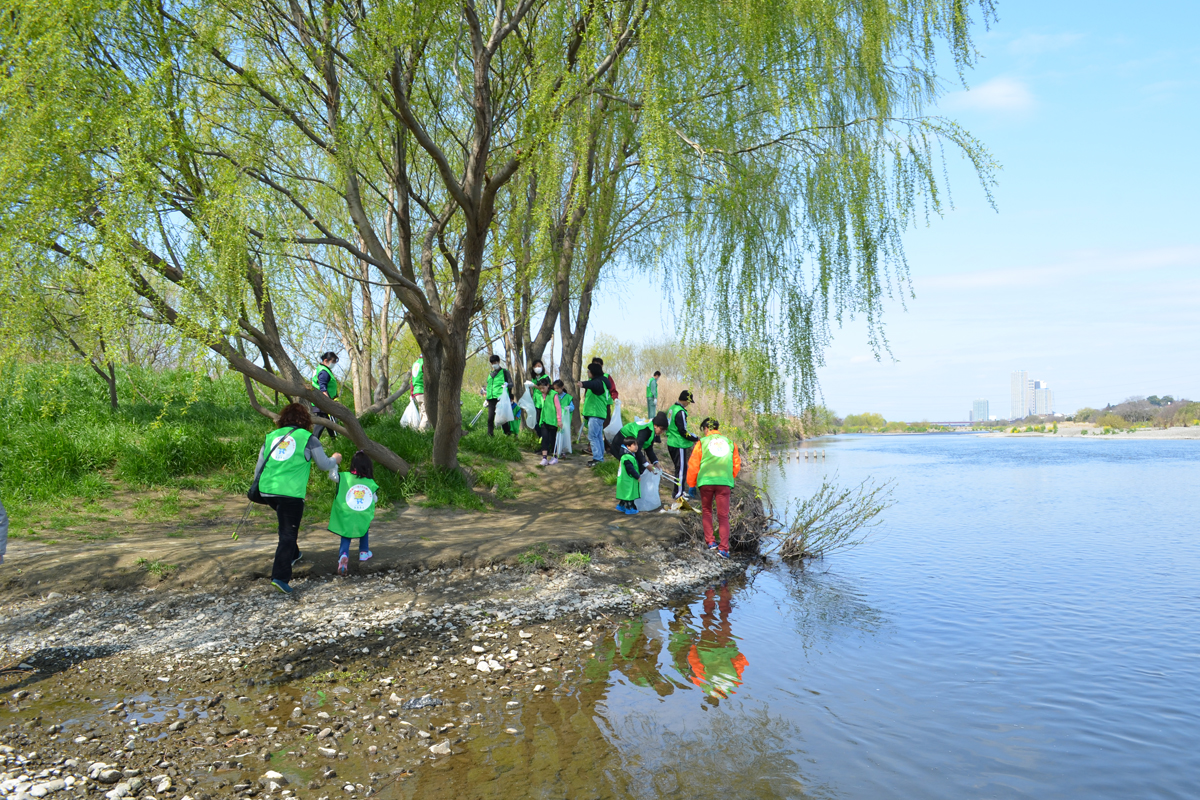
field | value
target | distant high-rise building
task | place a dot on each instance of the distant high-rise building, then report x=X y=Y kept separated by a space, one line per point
x=1043 y=399
x=979 y=411
x=1018 y=407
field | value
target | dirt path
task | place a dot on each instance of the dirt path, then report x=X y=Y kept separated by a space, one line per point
x=560 y=509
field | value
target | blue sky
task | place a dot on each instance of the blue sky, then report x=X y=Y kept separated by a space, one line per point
x=1088 y=274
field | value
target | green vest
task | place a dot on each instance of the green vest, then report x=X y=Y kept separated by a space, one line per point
x=354 y=508
x=595 y=405
x=549 y=415
x=652 y=389
x=495 y=384
x=286 y=470
x=418 y=376
x=627 y=488
x=716 y=466
x=675 y=437
x=333 y=390
x=630 y=430
x=610 y=397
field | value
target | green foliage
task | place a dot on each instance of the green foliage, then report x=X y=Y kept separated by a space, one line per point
x=504 y=448
x=864 y=423
x=607 y=471
x=499 y=480
x=535 y=558
x=577 y=560
x=159 y=569
x=1110 y=420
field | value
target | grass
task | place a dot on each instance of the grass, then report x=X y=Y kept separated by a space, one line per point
x=177 y=430
x=535 y=558
x=607 y=470
x=159 y=569
x=577 y=560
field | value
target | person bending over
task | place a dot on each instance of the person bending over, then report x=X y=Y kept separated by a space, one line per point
x=496 y=391
x=645 y=434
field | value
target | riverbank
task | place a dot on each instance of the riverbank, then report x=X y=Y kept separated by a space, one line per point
x=203 y=678
x=1069 y=429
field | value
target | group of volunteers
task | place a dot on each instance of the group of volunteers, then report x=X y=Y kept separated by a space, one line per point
x=708 y=463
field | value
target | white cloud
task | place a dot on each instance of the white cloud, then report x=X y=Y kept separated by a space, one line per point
x=998 y=94
x=1031 y=44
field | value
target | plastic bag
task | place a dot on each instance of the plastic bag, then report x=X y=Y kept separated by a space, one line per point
x=527 y=406
x=649 y=501
x=504 y=408
x=562 y=443
x=411 y=417
x=614 y=427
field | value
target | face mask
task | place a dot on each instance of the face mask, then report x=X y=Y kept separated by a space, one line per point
x=537 y=370
x=495 y=367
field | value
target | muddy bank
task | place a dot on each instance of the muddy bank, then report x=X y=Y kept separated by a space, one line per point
x=347 y=687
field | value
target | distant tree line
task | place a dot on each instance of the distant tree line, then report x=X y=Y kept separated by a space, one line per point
x=1159 y=412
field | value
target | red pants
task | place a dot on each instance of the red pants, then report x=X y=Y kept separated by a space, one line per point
x=721 y=494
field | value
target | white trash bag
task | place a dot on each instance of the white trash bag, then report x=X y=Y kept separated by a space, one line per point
x=649 y=501
x=614 y=427
x=562 y=443
x=411 y=417
x=504 y=411
x=527 y=406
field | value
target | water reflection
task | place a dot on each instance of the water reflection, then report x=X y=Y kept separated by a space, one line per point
x=708 y=657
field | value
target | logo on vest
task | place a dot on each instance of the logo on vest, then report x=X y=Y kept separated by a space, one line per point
x=284 y=451
x=719 y=447
x=359 y=498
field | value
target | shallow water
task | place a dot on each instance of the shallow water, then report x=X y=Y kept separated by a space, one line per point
x=1024 y=624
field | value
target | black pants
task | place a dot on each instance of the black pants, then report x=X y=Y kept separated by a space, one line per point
x=289 y=510
x=319 y=429
x=549 y=435
x=492 y=420
x=679 y=460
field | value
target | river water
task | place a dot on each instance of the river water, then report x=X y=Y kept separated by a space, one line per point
x=1025 y=623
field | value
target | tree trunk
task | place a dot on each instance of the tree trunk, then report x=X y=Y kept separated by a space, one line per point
x=111 y=380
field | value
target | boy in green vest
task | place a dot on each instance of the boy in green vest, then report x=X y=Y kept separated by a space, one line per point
x=629 y=473
x=652 y=395
x=714 y=464
x=324 y=381
x=680 y=440
x=354 y=509
x=496 y=392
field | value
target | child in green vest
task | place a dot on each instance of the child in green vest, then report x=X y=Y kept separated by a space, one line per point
x=553 y=415
x=354 y=509
x=629 y=473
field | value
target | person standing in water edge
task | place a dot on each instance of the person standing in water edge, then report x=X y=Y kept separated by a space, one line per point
x=714 y=465
x=284 y=464
x=354 y=509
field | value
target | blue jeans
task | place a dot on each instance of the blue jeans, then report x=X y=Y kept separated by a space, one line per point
x=362 y=545
x=596 y=437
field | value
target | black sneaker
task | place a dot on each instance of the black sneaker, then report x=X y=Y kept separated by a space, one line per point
x=296 y=560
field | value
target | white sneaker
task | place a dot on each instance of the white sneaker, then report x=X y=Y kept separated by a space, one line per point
x=365 y=555
x=544 y=462
x=552 y=462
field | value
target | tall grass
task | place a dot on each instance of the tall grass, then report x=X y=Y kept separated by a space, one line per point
x=59 y=438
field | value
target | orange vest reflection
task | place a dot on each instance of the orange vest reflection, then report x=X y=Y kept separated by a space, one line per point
x=713 y=661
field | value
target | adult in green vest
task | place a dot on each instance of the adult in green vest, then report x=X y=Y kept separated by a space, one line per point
x=284 y=463
x=680 y=440
x=652 y=395
x=496 y=391
x=714 y=464
x=353 y=509
x=613 y=394
x=594 y=408
x=629 y=473
x=325 y=382
x=645 y=434
x=418 y=390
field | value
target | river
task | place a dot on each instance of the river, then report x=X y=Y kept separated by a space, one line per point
x=1023 y=624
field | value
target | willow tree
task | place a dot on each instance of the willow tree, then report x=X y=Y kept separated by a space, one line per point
x=210 y=147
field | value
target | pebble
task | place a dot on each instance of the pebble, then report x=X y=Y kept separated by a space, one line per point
x=441 y=748
x=328 y=752
x=539 y=688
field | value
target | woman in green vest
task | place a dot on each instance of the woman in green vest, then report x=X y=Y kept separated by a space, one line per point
x=284 y=463
x=325 y=382
x=629 y=474
x=354 y=509
x=552 y=416
x=715 y=463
